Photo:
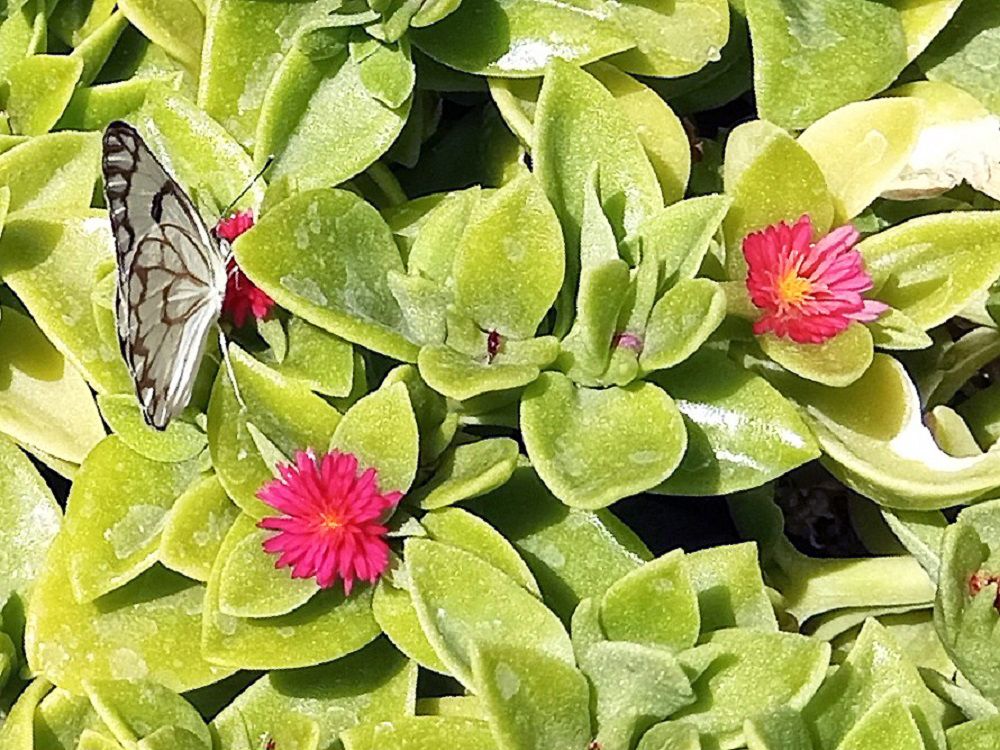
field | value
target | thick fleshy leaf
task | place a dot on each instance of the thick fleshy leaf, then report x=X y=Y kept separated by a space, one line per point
x=468 y=471
x=375 y=684
x=244 y=44
x=31 y=520
x=181 y=441
x=462 y=600
x=730 y=588
x=510 y=38
x=40 y=87
x=318 y=102
x=548 y=535
x=874 y=667
x=889 y=455
x=393 y=608
x=63 y=717
x=770 y=178
x=106 y=28
x=634 y=686
x=961 y=54
x=734 y=691
x=136 y=708
x=577 y=123
x=284 y=411
x=818 y=55
x=44 y=402
x=460 y=376
x=198 y=152
x=974 y=735
x=381 y=431
x=967 y=620
x=862 y=147
x=321 y=360
x=145 y=630
x=117 y=508
x=509 y=265
x=923 y=21
x=325 y=255
x=250 y=585
x=660 y=130
x=462 y=529
x=654 y=605
x=17 y=731
x=407 y=733
x=670 y=735
x=672 y=40
x=679 y=236
x=329 y=626
x=592 y=447
x=533 y=700
x=741 y=431
x=931 y=267
x=681 y=321
x=55 y=170
x=178 y=27
x=95 y=107
x=49 y=262
x=836 y=362
x=195 y=527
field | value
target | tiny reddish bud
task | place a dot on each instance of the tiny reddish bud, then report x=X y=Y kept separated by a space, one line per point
x=626 y=340
x=980 y=580
x=493 y=343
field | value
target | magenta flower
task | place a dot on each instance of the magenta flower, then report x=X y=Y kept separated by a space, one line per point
x=808 y=292
x=243 y=298
x=331 y=523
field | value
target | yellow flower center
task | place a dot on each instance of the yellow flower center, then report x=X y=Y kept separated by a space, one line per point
x=329 y=521
x=792 y=289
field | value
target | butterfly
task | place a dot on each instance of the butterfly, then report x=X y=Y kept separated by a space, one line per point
x=171 y=274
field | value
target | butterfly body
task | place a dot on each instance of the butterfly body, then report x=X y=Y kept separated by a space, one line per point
x=171 y=275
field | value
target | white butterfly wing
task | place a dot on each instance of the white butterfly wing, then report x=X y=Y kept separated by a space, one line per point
x=171 y=275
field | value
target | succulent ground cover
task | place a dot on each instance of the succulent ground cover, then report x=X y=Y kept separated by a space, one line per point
x=604 y=375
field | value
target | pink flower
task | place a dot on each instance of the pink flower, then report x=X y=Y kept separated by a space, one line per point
x=808 y=292
x=243 y=297
x=331 y=522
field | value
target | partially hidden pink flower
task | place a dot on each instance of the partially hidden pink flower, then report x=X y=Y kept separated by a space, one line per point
x=331 y=523
x=243 y=298
x=808 y=292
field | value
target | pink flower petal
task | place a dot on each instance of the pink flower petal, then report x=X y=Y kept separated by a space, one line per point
x=329 y=528
x=807 y=292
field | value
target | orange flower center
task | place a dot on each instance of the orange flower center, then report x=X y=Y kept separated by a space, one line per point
x=329 y=521
x=792 y=289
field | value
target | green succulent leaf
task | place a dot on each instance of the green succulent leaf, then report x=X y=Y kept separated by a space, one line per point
x=490 y=37
x=463 y=601
x=592 y=447
x=194 y=529
x=931 y=267
x=39 y=88
x=375 y=684
x=814 y=56
x=329 y=625
x=116 y=511
x=532 y=699
x=741 y=431
x=290 y=416
x=325 y=255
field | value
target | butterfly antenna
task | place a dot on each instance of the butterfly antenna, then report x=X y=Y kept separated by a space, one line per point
x=238 y=198
x=230 y=371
